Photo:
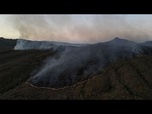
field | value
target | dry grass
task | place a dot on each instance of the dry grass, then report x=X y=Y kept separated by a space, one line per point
x=130 y=79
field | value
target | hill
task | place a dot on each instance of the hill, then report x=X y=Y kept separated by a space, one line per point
x=7 y=43
x=71 y=65
x=127 y=72
x=123 y=80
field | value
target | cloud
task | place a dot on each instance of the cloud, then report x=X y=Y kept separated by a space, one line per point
x=81 y=28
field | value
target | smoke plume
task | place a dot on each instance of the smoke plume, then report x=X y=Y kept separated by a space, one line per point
x=73 y=64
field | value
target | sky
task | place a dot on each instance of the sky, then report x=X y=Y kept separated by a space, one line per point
x=76 y=28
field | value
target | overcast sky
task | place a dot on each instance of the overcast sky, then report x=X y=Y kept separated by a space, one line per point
x=77 y=28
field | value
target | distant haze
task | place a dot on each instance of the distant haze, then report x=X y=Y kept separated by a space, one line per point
x=77 y=28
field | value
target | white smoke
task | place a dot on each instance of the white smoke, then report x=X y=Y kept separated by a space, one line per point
x=74 y=64
x=23 y=44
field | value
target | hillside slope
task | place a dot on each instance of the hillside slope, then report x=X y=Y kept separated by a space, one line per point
x=72 y=65
x=16 y=66
x=130 y=79
x=7 y=43
x=127 y=73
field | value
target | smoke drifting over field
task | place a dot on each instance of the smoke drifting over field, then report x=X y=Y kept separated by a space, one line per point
x=72 y=63
x=23 y=44
x=83 y=28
